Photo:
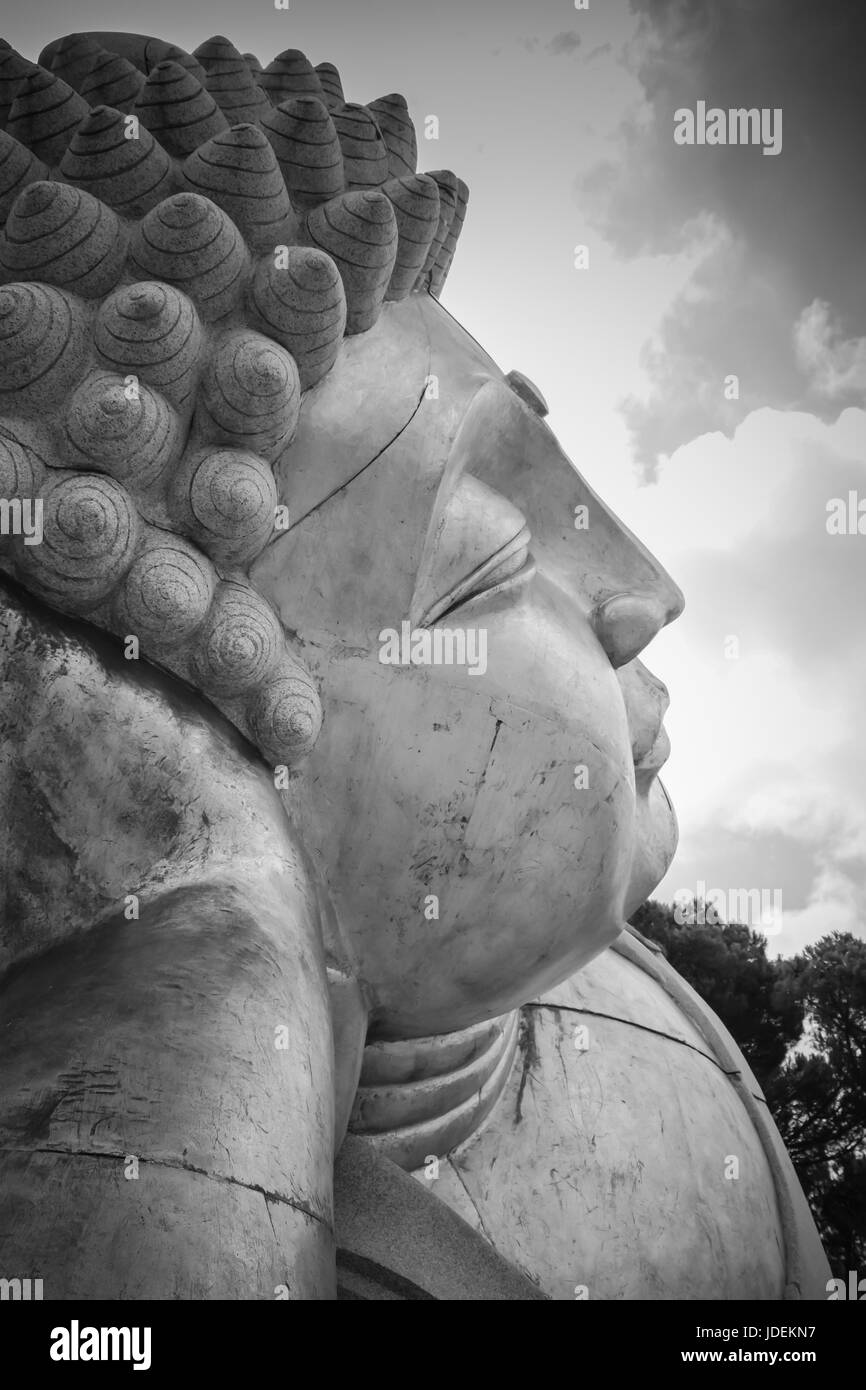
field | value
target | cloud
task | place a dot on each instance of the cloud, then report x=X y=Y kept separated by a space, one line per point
x=834 y=905
x=779 y=296
x=768 y=763
x=836 y=365
x=567 y=42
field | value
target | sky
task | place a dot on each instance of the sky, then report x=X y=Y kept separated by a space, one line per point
x=704 y=263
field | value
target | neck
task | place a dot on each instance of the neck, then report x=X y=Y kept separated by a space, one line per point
x=419 y=1098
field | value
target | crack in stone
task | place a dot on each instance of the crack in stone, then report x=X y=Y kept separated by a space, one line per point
x=459 y=1176
x=644 y=1027
x=526 y=1045
x=370 y=462
x=296 y=1205
x=499 y=723
x=270 y=1218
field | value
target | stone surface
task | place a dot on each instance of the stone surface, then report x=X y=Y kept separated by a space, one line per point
x=153 y=331
x=73 y=58
x=301 y=304
x=112 y=81
x=630 y=1195
x=238 y=170
x=132 y=436
x=394 y=1242
x=188 y=241
x=446 y=182
x=230 y=81
x=44 y=114
x=359 y=232
x=290 y=74
x=415 y=199
x=42 y=345
x=396 y=127
x=365 y=157
x=13 y=68
x=18 y=168
x=131 y=176
x=331 y=84
x=527 y=391
x=143 y=52
x=308 y=151
x=251 y=395
x=453 y=1086
x=63 y=236
x=473 y=776
x=161 y=1047
x=177 y=109
x=240 y=841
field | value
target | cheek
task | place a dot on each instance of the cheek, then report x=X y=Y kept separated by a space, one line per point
x=482 y=811
x=545 y=851
x=508 y=796
x=417 y=737
x=415 y=755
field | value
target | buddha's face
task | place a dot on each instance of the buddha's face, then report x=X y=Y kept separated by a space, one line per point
x=481 y=802
x=484 y=828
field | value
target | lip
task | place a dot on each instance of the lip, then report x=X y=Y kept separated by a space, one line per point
x=646 y=701
x=658 y=754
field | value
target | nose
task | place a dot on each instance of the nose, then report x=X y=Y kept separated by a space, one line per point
x=625 y=623
x=578 y=542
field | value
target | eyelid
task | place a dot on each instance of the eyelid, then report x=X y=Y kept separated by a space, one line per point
x=473 y=530
x=501 y=566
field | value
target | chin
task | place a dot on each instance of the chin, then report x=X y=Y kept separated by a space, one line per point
x=656 y=839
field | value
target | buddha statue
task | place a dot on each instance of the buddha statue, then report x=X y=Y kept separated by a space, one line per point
x=330 y=765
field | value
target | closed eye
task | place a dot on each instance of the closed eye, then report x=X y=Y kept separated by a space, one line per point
x=509 y=568
x=477 y=545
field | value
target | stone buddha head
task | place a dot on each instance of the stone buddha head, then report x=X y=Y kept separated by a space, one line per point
x=268 y=456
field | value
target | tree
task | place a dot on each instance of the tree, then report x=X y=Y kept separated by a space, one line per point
x=801 y=1023
x=728 y=966
x=818 y=1096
